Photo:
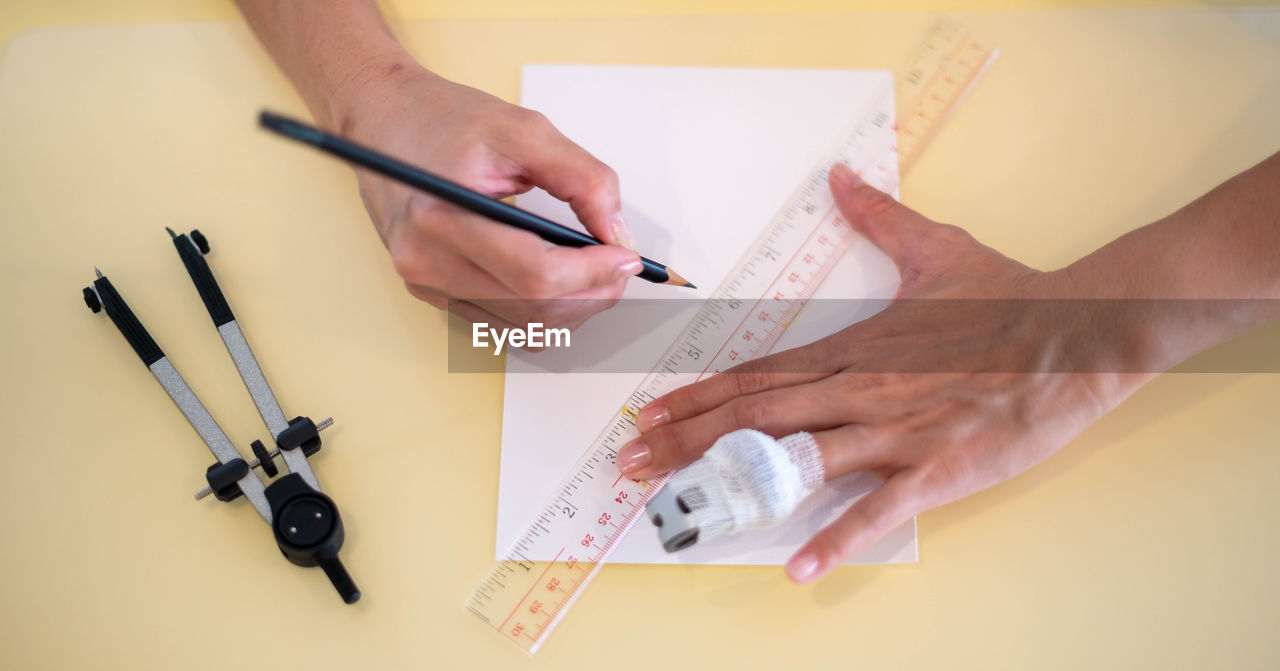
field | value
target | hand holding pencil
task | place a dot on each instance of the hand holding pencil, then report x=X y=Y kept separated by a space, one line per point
x=482 y=149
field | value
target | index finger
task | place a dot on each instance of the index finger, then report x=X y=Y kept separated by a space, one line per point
x=865 y=522
x=784 y=369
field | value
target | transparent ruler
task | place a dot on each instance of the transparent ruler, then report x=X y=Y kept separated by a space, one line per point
x=594 y=507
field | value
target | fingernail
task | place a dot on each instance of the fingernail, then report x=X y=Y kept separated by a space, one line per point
x=634 y=456
x=630 y=269
x=845 y=177
x=652 y=417
x=622 y=232
x=803 y=567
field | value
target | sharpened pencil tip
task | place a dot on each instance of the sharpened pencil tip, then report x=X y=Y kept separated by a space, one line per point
x=171 y=233
x=97 y=272
x=674 y=279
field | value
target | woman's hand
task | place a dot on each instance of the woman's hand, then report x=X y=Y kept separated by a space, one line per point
x=358 y=81
x=460 y=261
x=937 y=396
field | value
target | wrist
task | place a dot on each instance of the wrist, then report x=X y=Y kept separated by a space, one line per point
x=1111 y=343
x=1152 y=317
x=364 y=84
x=330 y=51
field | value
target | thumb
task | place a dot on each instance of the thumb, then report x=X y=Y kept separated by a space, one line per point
x=570 y=173
x=895 y=228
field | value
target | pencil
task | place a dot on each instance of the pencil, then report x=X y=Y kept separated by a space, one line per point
x=454 y=193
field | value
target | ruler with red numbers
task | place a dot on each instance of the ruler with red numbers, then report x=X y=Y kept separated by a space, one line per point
x=594 y=507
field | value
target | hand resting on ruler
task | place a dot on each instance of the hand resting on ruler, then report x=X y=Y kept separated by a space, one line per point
x=982 y=366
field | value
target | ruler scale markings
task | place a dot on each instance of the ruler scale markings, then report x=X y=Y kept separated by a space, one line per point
x=544 y=572
x=940 y=74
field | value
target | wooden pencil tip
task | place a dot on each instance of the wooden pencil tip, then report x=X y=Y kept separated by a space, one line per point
x=674 y=278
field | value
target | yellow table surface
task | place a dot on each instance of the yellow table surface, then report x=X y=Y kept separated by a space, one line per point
x=1149 y=542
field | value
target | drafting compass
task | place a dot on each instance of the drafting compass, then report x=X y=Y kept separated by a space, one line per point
x=306 y=523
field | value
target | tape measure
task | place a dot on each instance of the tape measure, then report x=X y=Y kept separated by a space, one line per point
x=595 y=505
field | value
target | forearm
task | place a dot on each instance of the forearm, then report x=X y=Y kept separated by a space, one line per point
x=1217 y=260
x=329 y=50
x=1225 y=244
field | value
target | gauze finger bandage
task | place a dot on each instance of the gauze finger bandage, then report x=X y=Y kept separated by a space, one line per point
x=746 y=480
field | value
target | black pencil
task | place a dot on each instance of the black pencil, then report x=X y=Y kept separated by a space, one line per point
x=454 y=193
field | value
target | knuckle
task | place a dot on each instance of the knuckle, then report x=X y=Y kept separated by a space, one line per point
x=944 y=471
x=410 y=264
x=748 y=379
x=425 y=217
x=953 y=232
x=946 y=238
x=823 y=356
x=682 y=402
x=603 y=178
x=535 y=124
x=535 y=119
x=861 y=385
x=751 y=413
x=418 y=211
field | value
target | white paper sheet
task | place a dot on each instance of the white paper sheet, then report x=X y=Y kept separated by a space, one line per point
x=706 y=156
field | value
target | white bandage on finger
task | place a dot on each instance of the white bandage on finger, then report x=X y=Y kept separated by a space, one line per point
x=746 y=480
